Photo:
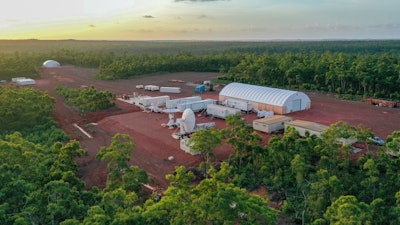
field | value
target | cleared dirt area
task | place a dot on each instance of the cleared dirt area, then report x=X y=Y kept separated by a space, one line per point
x=154 y=143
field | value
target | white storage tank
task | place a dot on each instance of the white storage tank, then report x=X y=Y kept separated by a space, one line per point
x=196 y=106
x=221 y=111
x=271 y=124
x=173 y=103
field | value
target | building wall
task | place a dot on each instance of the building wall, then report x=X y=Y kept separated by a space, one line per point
x=260 y=106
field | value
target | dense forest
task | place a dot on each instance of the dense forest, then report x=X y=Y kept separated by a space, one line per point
x=363 y=68
x=316 y=179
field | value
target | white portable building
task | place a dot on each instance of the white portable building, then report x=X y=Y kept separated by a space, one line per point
x=25 y=81
x=153 y=101
x=15 y=79
x=271 y=124
x=51 y=64
x=238 y=104
x=303 y=126
x=196 y=106
x=173 y=103
x=221 y=111
x=265 y=98
x=170 y=90
x=151 y=88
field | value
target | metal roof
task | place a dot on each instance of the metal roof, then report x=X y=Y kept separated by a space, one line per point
x=273 y=119
x=267 y=95
x=308 y=125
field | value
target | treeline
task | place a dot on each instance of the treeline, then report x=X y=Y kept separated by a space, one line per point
x=364 y=68
x=374 y=75
x=203 y=47
x=352 y=74
x=317 y=180
x=127 y=66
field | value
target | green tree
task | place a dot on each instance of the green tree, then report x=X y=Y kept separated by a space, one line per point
x=205 y=141
x=348 y=210
x=211 y=201
x=117 y=156
x=392 y=145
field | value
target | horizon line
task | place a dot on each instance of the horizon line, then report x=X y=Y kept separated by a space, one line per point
x=214 y=40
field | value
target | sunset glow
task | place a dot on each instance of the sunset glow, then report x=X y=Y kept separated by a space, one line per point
x=200 y=19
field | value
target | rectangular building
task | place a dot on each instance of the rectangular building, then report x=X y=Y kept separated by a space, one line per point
x=271 y=124
x=302 y=126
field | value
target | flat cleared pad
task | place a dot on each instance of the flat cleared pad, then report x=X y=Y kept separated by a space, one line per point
x=154 y=143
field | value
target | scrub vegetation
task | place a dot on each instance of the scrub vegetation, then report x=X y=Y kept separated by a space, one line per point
x=314 y=179
x=88 y=99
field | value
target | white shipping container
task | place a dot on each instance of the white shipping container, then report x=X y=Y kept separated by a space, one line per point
x=221 y=111
x=204 y=126
x=170 y=89
x=238 y=104
x=15 y=79
x=26 y=81
x=196 y=106
x=185 y=146
x=151 y=88
x=153 y=101
x=138 y=99
x=173 y=103
x=264 y=113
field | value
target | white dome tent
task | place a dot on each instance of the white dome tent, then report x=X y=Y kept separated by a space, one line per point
x=265 y=98
x=51 y=64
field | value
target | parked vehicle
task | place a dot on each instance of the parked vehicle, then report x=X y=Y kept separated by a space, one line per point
x=377 y=140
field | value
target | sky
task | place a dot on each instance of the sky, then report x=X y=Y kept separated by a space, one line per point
x=199 y=19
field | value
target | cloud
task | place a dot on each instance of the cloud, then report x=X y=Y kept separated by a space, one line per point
x=148 y=16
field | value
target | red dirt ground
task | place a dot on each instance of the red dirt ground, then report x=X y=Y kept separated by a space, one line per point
x=154 y=143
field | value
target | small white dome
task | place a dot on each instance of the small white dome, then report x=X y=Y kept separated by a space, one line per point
x=51 y=64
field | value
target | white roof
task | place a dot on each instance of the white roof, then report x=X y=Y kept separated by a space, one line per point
x=25 y=81
x=254 y=93
x=51 y=63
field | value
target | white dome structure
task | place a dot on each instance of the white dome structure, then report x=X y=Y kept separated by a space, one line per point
x=265 y=98
x=51 y=64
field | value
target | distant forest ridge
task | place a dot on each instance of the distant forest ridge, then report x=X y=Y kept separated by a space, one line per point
x=205 y=47
x=365 y=68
